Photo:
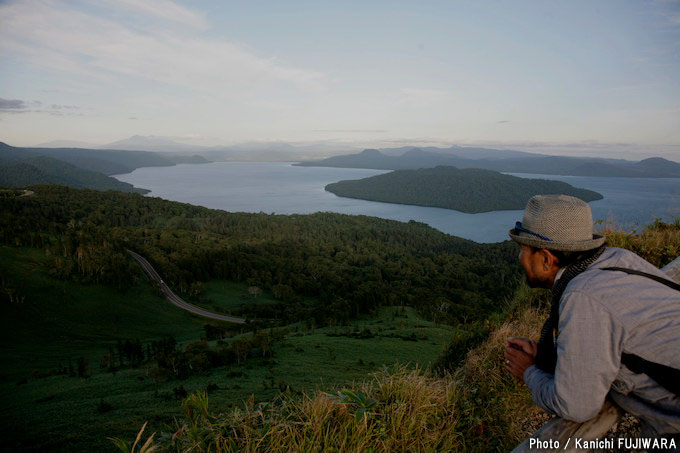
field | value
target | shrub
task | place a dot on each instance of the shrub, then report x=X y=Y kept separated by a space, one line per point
x=659 y=243
x=104 y=407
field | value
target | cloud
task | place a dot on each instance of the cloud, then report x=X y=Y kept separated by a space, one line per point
x=19 y=106
x=503 y=121
x=106 y=45
x=163 y=10
x=64 y=107
x=12 y=105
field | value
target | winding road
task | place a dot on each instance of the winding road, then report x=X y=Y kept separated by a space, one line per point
x=174 y=298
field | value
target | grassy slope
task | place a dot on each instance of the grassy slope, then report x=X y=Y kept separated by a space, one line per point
x=477 y=407
x=223 y=296
x=58 y=321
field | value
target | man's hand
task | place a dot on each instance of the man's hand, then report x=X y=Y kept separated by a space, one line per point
x=520 y=354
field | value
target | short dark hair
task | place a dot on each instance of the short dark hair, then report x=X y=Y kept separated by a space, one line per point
x=565 y=259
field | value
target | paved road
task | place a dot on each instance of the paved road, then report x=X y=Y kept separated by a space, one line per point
x=174 y=298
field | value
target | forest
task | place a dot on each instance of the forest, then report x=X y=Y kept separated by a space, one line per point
x=468 y=190
x=322 y=267
x=88 y=336
x=47 y=170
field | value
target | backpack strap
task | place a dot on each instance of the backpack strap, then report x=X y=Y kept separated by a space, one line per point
x=665 y=376
x=663 y=281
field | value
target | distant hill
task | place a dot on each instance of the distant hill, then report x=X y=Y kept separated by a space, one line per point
x=465 y=152
x=185 y=158
x=372 y=158
x=79 y=167
x=466 y=190
x=150 y=143
x=47 y=170
x=67 y=144
x=108 y=162
x=515 y=162
x=260 y=151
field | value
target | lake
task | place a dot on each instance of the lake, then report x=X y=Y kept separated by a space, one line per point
x=281 y=188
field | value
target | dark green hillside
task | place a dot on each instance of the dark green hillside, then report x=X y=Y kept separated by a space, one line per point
x=334 y=297
x=468 y=190
x=350 y=264
x=63 y=387
x=46 y=170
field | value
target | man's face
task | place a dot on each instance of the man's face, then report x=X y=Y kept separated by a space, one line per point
x=533 y=262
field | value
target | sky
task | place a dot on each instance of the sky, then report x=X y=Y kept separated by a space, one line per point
x=570 y=77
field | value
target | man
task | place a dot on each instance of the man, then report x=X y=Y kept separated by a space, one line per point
x=602 y=318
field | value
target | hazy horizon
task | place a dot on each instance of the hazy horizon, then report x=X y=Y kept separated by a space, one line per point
x=578 y=78
x=326 y=148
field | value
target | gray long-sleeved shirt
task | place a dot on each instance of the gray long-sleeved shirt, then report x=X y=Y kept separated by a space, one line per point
x=603 y=314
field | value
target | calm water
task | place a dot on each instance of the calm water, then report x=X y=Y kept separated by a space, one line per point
x=274 y=187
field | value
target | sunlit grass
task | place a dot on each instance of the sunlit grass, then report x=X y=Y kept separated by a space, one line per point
x=477 y=407
x=658 y=243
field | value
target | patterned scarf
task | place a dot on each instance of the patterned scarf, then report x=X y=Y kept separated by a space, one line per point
x=546 y=356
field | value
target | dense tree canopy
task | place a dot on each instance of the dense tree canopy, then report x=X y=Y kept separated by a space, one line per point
x=469 y=190
x=323 y=267
x=47 y=170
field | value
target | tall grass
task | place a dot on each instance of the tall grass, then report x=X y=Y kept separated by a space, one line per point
x=477 y=407
x=659 y=243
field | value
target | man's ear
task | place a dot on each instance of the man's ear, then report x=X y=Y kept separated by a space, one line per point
x=548 y=259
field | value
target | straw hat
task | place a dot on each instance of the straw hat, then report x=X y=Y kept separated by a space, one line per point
x=557 y=222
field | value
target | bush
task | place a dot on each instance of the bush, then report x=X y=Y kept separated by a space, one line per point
x=179 y=392
x=104 y=407
x=659 y=243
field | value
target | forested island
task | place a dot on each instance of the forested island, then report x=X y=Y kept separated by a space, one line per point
x=466 y=190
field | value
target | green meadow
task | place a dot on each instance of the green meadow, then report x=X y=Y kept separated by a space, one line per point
x=53 y=329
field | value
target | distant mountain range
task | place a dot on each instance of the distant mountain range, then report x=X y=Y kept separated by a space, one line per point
x=149 y=143
x=78 y=167
x=470 y=190
x=251 y=151
x=503 y=161
x=466 y=152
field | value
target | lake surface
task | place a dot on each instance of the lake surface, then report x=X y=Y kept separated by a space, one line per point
x=281 y=188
